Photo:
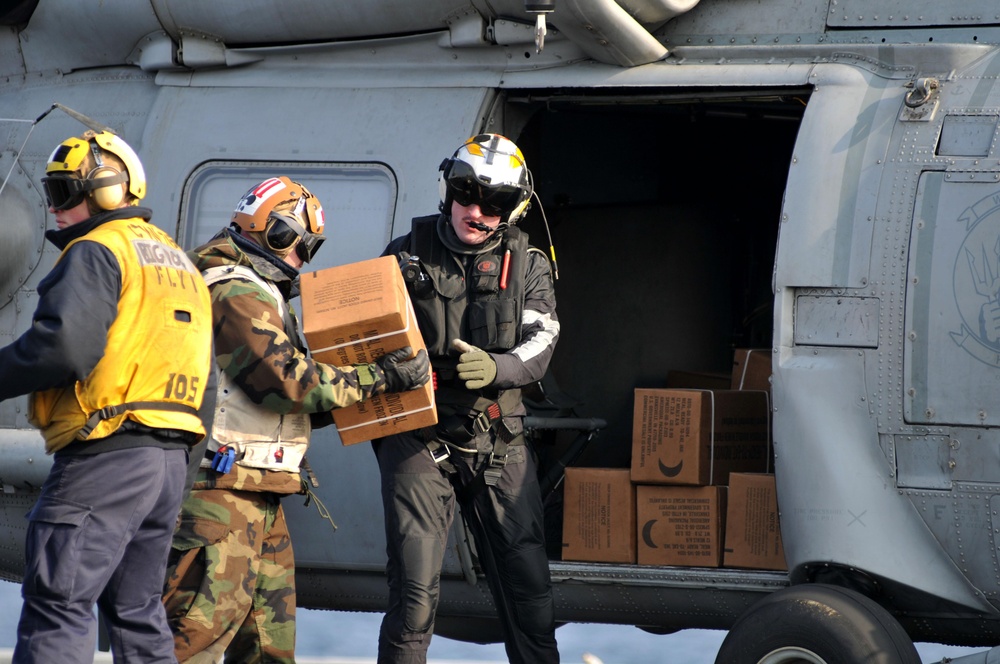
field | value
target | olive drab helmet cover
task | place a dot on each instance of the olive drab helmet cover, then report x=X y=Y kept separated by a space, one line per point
x=282 y=215
x=488 y=170
x=97 y=166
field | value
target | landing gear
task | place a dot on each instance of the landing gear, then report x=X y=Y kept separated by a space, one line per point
x=817 y=624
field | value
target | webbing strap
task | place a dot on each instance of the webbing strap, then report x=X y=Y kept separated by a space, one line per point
x=490 y=414
x=108 y=412
x=489 y=473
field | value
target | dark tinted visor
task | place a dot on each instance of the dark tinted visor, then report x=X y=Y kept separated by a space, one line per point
x=494 y=201
x=63 y=192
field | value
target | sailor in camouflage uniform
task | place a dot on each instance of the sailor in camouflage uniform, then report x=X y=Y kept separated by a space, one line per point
x=230 y=586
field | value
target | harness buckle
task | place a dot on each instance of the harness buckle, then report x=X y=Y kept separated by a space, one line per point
x=480 y=424
x=440 y=454
x=96 y=418
x=484 y=420
x=495 y=466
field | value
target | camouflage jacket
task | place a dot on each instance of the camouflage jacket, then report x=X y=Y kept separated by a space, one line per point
x=260 y=352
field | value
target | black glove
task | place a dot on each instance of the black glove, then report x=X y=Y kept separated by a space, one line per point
x=402 y=374
x=475 y=366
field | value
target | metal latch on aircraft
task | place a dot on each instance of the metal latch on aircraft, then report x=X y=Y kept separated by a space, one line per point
x=921 y=100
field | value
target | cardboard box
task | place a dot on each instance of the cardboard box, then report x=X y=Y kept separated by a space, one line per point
x=751 y=369
x=753 y=537
x=354 y=314
x=680 y=525
x=698 y=436
x=698 y=380
x=598 y=515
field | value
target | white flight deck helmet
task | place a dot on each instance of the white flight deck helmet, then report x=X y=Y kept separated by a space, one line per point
x=283 y=215
x=489 y=170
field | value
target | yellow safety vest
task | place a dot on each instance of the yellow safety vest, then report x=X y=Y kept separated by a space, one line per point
x=157 y=359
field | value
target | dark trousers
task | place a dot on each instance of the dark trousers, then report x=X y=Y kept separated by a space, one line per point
x=100 y=533
x=507 y=525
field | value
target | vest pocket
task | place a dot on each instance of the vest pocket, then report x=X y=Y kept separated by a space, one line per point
x=493 y=324
x=448 y=286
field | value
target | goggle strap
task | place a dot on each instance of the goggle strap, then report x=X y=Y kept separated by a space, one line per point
x=97 y=183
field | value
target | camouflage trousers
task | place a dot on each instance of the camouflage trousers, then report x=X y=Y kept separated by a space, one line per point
x=230 y=586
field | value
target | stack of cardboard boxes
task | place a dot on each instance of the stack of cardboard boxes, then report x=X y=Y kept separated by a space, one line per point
x=698 y=492
x=355 y=314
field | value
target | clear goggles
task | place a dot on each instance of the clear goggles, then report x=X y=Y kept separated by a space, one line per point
x=282 y=232
x=493 y=200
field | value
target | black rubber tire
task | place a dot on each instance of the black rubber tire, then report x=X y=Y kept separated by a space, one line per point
x=817 y=624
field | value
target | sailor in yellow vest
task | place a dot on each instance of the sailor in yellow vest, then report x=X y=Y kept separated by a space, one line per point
x=118 y=364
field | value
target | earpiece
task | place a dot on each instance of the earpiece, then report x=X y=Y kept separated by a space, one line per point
x=518 y=212
x=111 y=196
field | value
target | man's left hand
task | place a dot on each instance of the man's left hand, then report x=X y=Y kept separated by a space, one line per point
x=475 y=366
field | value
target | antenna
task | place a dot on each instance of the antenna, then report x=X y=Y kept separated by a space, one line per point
x=552 y=247
x=88 y=122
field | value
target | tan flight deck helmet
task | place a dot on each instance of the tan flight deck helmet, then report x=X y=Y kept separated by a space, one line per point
x=278 y=212
x=98 y=167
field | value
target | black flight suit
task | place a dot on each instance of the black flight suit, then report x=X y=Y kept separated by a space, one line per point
x=459 y=295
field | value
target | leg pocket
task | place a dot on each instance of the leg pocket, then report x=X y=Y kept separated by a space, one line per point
x=52 y=547
x=188 y=582
x=195 y=532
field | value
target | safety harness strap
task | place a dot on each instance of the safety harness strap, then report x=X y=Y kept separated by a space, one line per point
x=491 y=415
x=491 y=471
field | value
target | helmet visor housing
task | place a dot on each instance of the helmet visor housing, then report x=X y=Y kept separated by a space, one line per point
x=494 y=200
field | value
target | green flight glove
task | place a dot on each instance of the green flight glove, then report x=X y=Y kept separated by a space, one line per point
x=475 y=366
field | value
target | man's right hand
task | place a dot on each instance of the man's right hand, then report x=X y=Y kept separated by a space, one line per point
x=402 y=374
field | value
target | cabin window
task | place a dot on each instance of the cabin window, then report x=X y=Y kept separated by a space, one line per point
x=358 y=201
